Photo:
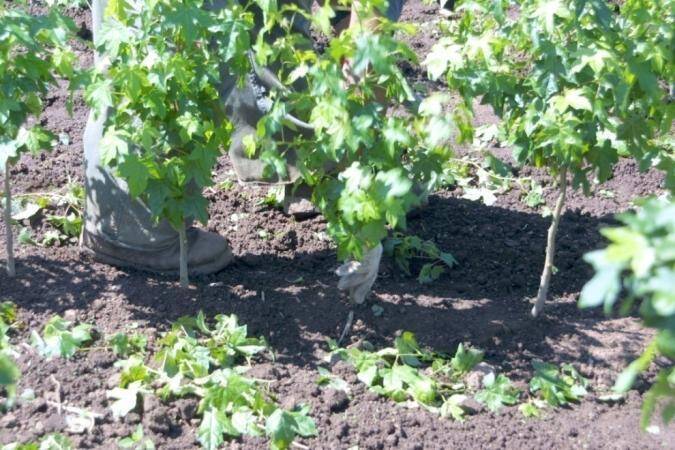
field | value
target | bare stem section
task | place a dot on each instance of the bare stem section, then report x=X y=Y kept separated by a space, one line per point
x=182 y=236
x=11 y=270
x=550 y=247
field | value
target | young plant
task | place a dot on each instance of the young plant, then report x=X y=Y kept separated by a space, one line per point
x=405 y=248
x=137 y=440
x=406 y=372
x=126 y=345
x=52 y=441
x=556 y=386
x=639 y=265
x=61 y=339
x=34 y=51
x=330 y=109
x=167 y=124
x=497 y=392
x=9 y=372
x=196 y=359
x=576 y=84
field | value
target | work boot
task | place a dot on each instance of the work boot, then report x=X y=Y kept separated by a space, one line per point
x=207 y=253
x=297 y=202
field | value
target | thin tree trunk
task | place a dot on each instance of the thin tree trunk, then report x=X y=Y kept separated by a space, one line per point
x=182 y=236
x=550 y=246
x=11 y=271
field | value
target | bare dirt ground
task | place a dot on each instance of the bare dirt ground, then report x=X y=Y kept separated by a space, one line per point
x=282 y=285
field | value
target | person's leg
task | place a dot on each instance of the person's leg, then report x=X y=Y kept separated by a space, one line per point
x=245 y=106
x=119 y=230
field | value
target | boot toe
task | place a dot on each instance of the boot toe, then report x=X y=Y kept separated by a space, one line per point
x=208 y=252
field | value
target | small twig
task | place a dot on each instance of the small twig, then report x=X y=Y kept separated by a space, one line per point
x=348 y=326
x=59 y=403
x=297 y=444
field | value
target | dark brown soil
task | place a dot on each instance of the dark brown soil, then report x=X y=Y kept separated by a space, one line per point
x=282 y=285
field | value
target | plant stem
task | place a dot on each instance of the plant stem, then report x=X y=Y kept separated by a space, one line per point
x=550 y=246
x=11 y=270
x=182 y=237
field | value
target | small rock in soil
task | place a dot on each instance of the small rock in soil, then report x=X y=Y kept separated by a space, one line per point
x=336 y=400
x=132 y=418
x=160 y=420
x=150 y=403
x=40 y=405
x=70 y=315
x=187 y=407
x=471 y=406
x=54 y=423
x=474 y=379
x=113 y=381
x=9 y=421
x=102 y=359
x=391 y=441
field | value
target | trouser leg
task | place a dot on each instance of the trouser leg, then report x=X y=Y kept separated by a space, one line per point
x=111 y=214
x=120 y=230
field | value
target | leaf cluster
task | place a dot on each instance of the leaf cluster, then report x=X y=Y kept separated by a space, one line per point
x=9 y=371
x=361 y=158
x=406 y=372
x=575 y=84
x=54 y=441
x=60 y=338
x=405 y=248
x=209 y=362
x=34 y=53
x=557 y=386
x=638 y=266
x=164 y=61
x=62 y=209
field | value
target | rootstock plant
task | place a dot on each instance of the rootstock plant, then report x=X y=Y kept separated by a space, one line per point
x=637 y=269
x=34 y=54
x=368 y=155
x=162 y=63
x=576 y=85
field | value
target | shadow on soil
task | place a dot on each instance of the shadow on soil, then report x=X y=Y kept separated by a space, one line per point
x=294 y=303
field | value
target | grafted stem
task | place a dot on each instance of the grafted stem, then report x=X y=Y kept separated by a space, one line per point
x=182 y=237
x=9 y=239
x=550 y=246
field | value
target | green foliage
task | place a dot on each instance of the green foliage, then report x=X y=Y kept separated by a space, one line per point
x=168 y=124
x=61 y=339
x=406 y=372
x=639 y=265
x=137 y=440
x=9 y=372
x=361 y=161
x=465 y=359
x=405 y=248
x=62 y=208
x=497 y=392
x=34 y=51
x=50 y=442
x=205 y=361
x=126 y=345
x=327 y=379
x=573 y=82
x=556 y=386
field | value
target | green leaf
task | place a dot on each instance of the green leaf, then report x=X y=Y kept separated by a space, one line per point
x=136 y=174
x=280 y=427
x=125 y=399
x=211 y=429
x=465 y=359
